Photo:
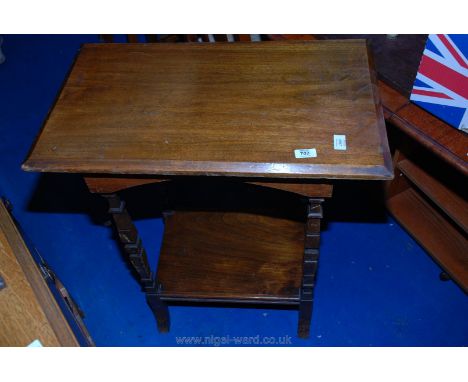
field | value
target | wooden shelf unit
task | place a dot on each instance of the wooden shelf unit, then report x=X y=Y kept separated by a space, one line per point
x=448 y=201
x=433 y=231
x=428 y=194
x=428 y=198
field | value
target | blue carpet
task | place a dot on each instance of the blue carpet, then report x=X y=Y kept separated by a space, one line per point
x=376 y=286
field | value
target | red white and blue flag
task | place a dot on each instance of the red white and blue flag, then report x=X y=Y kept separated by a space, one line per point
x=441 y=85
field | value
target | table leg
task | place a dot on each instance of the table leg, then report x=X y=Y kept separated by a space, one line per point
x=136 y=254
x=310 y=262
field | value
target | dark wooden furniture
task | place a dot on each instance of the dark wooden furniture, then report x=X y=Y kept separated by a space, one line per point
x=28 y=310
x=428 y=195
x=131 y=115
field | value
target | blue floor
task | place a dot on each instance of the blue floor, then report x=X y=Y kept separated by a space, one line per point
x=376 y=286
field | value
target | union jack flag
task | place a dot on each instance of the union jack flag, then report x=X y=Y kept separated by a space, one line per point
x=441 y=85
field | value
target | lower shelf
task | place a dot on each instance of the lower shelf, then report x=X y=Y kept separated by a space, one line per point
x=231 y=256
x=446 y=244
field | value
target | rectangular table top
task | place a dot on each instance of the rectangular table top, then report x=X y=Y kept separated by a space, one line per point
x=233 y=109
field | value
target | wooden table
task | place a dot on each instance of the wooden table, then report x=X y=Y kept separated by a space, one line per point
x=229 y=116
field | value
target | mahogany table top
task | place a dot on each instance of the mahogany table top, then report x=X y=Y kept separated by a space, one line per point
x=232 y=109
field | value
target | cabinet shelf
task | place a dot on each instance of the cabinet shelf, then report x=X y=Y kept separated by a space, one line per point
x=444 y=241
x=448 y=201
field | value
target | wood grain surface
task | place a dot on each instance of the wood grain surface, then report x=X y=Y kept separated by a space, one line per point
x=236 y=109
x=440 y=138
x=447 y=244
x=396 y=58
x=450 y=143
x=111 y=184
x=231 y=255
x=22 y=319
x=28 y=311
x=452 y=203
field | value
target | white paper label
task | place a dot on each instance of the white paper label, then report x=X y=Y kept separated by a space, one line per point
x=35 y=344
x=305 y=153
x=339 y=142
